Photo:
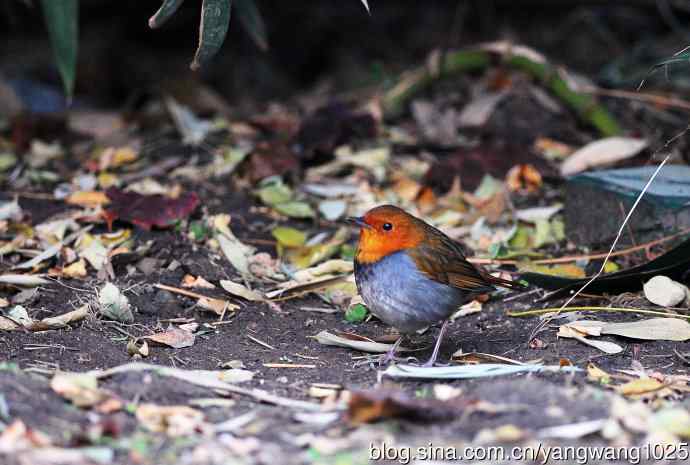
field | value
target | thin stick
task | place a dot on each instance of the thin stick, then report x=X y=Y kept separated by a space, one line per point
x=574 y=258
x=648 y=98
x=260 y=342
x=543 y=311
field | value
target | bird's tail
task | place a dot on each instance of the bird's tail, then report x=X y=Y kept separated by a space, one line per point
x=500 y=282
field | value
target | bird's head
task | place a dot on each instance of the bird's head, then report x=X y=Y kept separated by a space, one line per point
x=385 y=230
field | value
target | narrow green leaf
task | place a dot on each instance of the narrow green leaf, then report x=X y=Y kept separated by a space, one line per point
x=215 y=20
x=164 y=13
x=62 y=21
x=252 y=22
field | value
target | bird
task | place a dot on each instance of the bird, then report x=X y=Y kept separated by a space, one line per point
x=411 y=275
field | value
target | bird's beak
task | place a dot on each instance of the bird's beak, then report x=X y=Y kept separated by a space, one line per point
x=358 y=221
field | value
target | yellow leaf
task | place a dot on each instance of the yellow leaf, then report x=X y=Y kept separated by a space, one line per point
x=88 y=198
x=640 y=386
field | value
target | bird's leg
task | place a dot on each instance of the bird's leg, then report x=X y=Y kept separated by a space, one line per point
x=390 y=355
x=434 y=354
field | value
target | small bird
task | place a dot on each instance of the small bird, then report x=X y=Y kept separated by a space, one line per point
x=411 y=275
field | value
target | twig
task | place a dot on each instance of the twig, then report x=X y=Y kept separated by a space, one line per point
x=574 y=258
x=648 y=98
x=556 y=310
x=260 y=342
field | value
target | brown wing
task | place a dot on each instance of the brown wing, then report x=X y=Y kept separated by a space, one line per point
x=442 y=259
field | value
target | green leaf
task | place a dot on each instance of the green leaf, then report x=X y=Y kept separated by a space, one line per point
x=356 y=314
x=274 y=192
x=164 y=13
x=215 y=20
x=289 y=237
x=295 y=209
x=62 y=21
x=253 y=23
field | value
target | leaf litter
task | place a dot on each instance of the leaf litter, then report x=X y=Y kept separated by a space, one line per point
x=263 y=256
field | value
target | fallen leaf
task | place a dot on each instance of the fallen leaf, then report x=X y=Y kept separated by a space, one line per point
x=332 y=209
x=217 y=306
x=277 y=195
x=173 y=337
x=114 y=304
x=573 y=430
x=23 y=280
x=640 y=386
x=675 y=420
x=75 y=270
x=534 y=214
x=330 y=267
x=356 y=313
x=605 y=346
x=88 y=199
x=374 y=405
x=594 y=373
x=657 y=329
x=478 y=111
x=147 y=211
x=190 y=281
x=566 y=270
x=133 y=348
x=602 y=152
x=523 y=178
x=234 y=250
x=240 y=290
x=173 y=420
x=289 y=237
x=95 y=252
x=482 y=370
x=79 y=388
x=353 y=341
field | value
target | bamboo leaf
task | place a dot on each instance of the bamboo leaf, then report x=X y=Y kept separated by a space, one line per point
x=253 y=23
x=62 y=20
x=215 y=20
x=164 y=13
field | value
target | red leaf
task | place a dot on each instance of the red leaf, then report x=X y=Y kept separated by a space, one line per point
x=147 y=211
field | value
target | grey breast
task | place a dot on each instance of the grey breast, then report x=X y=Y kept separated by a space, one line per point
x=403 y=297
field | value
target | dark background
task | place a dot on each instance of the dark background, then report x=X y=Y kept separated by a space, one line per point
x=336 y=44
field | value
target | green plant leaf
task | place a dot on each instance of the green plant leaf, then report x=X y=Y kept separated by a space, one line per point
x=253 y=23
x=62 y=21
x=356 y=314
x=215 y=20
x=164 y=13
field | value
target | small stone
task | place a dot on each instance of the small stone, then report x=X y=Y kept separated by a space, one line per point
x=662 y=290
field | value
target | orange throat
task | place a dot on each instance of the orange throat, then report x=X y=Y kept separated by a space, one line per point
x=373 y=245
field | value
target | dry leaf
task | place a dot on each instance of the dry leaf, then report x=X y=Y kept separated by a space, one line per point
x=88 y=198
x=79 y=388
x=240 y=290
x=353 y=341
x=657 y=329
x=373 y=405
x=640 y=386
x=217 y=306
x=173 y=337
x=173 y=420
x=602 y=152
x=604 y=346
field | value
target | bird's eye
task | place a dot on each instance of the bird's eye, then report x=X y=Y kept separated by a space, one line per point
x=387 y=226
